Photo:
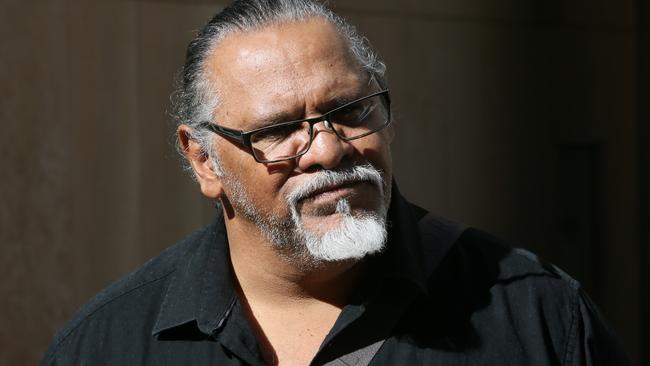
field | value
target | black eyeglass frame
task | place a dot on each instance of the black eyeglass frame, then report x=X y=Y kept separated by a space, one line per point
x=243 y=138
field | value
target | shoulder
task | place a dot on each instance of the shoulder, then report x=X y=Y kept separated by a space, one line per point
x=130 y=299
x=470 y=262
x=482 y=265
x=509 y=298
x=484 y=253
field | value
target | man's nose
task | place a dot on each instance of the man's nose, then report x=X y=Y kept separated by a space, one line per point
x=327 y=150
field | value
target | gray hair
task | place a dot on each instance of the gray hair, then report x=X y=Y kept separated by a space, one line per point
x=196 y=97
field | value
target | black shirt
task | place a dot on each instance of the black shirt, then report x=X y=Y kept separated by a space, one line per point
x=484 y=304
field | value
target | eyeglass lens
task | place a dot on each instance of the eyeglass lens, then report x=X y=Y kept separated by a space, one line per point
x=286 y=141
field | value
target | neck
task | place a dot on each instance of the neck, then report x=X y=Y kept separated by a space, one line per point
x=267 y=276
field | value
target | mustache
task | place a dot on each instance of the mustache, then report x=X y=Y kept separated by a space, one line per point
x=327 y=178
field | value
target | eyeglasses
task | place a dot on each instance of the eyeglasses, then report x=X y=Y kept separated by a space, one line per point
x=288 y=140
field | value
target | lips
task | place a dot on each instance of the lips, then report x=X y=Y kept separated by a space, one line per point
x=332 y=187
x=334 y=191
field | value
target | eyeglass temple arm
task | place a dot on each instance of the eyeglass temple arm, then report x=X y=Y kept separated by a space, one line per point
x=236 y=135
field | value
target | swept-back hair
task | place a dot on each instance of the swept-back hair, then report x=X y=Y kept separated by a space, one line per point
x=197 y=95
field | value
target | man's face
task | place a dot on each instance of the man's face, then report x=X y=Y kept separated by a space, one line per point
x=282 y=73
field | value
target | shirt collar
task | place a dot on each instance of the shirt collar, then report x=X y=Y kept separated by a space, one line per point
x=402 y=259
x=201 y=290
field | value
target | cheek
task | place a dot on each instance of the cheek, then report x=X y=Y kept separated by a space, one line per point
x=263 y=182
x=376 y=150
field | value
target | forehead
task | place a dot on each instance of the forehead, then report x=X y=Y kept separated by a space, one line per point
x=286 y=67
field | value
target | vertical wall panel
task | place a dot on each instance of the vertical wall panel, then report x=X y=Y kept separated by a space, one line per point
x=643 y=144
x=68 y=212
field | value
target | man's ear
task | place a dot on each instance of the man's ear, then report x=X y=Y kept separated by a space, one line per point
x=201 y=164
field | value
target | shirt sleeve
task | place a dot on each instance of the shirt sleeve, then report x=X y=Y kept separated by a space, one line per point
x=591 y=341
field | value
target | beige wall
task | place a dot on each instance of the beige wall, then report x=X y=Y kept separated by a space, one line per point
x=513 y=116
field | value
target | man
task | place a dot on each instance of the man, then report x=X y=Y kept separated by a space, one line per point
x=314 y=257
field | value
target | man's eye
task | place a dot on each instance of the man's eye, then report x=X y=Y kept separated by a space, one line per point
x=275 y=134
x=354 y=114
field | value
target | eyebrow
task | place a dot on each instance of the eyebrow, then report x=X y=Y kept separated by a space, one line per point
x=340 y=100
x=272 y=119
x=285 y=116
